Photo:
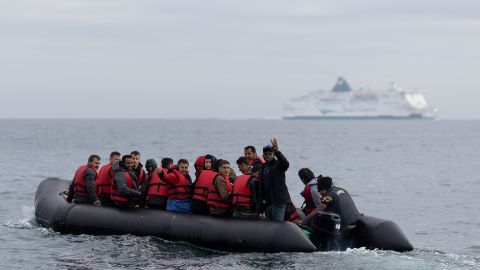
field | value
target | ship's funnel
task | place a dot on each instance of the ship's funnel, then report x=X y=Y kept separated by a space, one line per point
x=341 y=86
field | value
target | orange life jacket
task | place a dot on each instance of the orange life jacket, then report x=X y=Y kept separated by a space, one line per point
x=213 y=198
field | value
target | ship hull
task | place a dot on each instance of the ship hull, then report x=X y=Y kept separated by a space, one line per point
x=364 y=117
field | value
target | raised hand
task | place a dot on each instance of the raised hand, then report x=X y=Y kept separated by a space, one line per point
x=274 y=144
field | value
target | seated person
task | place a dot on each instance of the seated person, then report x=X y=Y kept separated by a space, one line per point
x=124 y=189
x=244 y=165
x=179 y=188
x=82 y=187
x=245 y=195
x=154 y=189
x=198 y=165
x=251 y=153
x=310 y=192
x=219 y=196
x=103 y=184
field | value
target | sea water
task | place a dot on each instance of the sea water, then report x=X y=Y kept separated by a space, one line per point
x=424 y=175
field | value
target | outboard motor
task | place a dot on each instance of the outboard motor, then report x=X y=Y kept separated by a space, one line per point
x=325 y=230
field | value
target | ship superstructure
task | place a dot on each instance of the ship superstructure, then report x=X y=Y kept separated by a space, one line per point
x=344 y=103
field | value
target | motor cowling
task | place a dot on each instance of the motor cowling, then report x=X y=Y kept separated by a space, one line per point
x=325 y=230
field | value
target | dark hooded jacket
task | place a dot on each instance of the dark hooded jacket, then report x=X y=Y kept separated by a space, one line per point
x=120 y=181
x=273 y=188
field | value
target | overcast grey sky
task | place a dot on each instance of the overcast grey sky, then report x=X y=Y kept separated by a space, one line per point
x=229 y=59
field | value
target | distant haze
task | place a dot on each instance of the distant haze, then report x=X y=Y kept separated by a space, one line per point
x=229 y=59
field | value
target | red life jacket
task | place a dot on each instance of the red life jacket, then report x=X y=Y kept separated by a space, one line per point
x=115 y=194
x=200 y=161
x=182 y=189
x=140 y=177
x=258 y=159
x=291 y=213
x=241 y=193
x=309 y=203
x=213 y=198
x=203 y=185
x=157 y=187
x=103 y=184
x=79 y=180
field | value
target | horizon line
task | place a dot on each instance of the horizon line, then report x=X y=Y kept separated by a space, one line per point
x=201 y=118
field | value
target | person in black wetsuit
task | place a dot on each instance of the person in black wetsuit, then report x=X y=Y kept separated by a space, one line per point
x=337 y=200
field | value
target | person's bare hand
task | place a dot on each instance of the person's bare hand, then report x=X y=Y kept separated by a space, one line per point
x=274 y=144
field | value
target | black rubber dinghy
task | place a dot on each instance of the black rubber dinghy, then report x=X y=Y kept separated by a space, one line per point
x=52 y=211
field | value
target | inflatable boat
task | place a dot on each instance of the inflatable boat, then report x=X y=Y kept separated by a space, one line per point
x=52 y=211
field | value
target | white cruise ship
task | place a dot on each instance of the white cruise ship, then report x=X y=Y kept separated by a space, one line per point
x=344 y=103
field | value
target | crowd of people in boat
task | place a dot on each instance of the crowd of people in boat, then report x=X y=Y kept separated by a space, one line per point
x=260 y=191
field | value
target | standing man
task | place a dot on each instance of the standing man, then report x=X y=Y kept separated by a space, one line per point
x=82 y=188
x=103 y=184
x=138 y=167
x=272 y=182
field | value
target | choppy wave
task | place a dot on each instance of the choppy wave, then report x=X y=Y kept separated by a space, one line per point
x=129 y=251
x=25 y=221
